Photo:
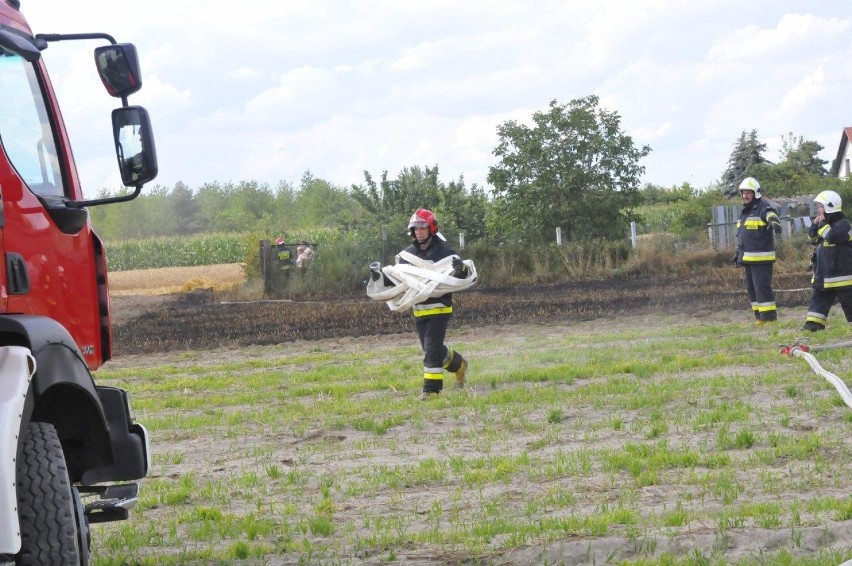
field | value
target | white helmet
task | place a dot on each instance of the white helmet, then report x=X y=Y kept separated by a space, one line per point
x=829 y=200
x=750 y=184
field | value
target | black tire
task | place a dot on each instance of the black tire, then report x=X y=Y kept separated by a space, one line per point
x=84 y=536
x=49 y=526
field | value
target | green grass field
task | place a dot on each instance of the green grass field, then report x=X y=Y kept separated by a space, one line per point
x=652 y=439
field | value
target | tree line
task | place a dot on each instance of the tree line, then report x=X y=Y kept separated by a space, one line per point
x=572 y=168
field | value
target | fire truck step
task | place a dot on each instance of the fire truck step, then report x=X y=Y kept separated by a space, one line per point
x=113 y=504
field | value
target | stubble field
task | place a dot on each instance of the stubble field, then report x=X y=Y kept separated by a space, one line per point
x=638 y=422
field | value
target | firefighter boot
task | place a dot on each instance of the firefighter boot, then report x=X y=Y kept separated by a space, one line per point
x=813 y=326
x=460 y=373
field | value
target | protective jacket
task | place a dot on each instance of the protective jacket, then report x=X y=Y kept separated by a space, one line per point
x=755 y=233
x=434 y=252
x=833 y=265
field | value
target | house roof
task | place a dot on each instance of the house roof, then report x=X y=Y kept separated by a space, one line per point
x=845 y=138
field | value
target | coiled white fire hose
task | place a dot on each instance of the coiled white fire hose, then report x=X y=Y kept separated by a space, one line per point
x=803 y=351
x=418 y=280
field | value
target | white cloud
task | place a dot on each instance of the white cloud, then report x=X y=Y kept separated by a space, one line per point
x=652 y=132
x=794 y=40
x=802 y=94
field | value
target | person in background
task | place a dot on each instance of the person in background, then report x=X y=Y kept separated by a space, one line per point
x=304 y=254
x=756 y=229
x=284 y=253
x=831 y=232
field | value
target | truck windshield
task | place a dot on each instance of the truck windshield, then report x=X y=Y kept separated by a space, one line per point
x=25 y=130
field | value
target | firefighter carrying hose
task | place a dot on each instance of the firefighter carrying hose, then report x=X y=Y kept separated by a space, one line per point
x=756 y=230
x=432 y=314
x=832 y=278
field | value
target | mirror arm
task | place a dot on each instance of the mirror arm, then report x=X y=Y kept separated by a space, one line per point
x=99 y=201
x=66 y=36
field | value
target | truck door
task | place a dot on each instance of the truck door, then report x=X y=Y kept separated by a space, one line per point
x=49 y=252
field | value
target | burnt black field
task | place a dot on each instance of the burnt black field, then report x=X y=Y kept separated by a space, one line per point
x=197 y=321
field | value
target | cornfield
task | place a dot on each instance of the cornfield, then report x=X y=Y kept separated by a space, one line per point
x=200 y=249
x=208 y=249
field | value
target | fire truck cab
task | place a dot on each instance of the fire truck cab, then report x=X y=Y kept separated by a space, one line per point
x=68 y=446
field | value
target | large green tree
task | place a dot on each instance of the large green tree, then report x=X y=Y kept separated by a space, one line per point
x=322 y=204
x=803 y=155
x=463 y=209
x=799 y=172
x=574 y=168
x=185 y=210
x=414 y=187
x=748 y=152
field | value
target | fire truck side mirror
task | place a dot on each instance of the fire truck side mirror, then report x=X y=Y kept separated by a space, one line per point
x=134 y=145
x=118 y=67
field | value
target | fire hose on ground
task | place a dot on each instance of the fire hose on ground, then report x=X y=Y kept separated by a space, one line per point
x=800 y=350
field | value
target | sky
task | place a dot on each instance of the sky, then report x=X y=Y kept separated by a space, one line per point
x=266 y=91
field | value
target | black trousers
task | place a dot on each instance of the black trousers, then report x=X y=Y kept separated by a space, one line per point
x=758 y=278
x=823 y=299
x=437 y=357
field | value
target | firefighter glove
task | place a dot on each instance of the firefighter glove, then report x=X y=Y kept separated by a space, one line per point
x=735 y=259
x=777 y=228
x=375 y=268
x=460 y=269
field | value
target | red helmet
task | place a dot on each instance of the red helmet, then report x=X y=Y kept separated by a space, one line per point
x=279 y=241
x=422 y=216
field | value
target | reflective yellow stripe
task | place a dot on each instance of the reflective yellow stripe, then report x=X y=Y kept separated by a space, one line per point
x=834 y=282
x=449 y=358
x=433 y=376
x=754 y=222
x=758 y=256
x=436 y=310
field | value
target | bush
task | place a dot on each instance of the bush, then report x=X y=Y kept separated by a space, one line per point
x=517 y=264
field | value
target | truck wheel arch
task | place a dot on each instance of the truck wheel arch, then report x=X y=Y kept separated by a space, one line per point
x=62 y=391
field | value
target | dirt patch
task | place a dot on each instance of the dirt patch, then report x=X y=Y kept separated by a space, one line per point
x=168 y=280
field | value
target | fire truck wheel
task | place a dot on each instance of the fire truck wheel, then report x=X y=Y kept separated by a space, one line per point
x=46 y=506
x=84 y=535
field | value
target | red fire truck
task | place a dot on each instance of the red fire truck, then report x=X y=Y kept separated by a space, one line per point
x=69 y=448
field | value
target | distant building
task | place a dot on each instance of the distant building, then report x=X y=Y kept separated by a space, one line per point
x=842 y=166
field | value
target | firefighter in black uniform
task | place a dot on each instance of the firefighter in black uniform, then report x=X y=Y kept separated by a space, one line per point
x=433 y=315
x=284 y=253
x=756 y=230
x=832 y=279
